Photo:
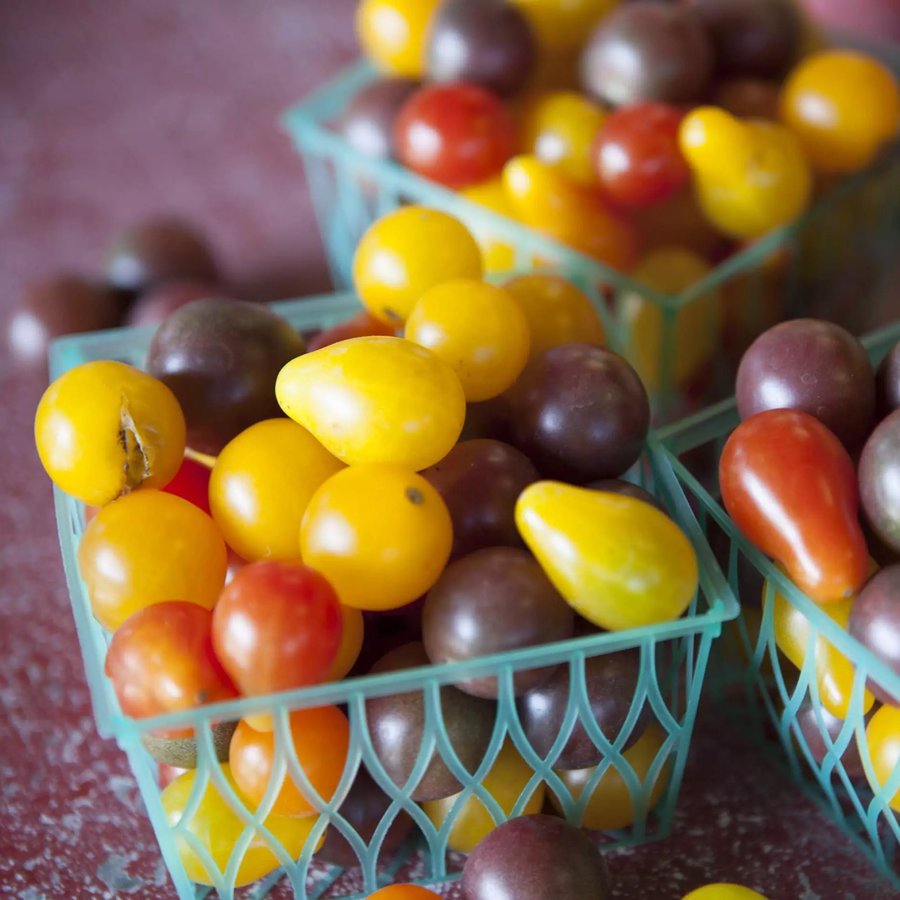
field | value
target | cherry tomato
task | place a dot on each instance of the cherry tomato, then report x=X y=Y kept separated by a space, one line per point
x=105 y=428
x=557 y=312
x=546 y=200
x=723 y=891
x=161 y=660
x=620 y=562
x=376 y=400
x=277 y=626
x=405 y=253
x=392 y=33
x=403 y=892
x=637 y=156
x=883 y=739
x=146 y=548
x=561 y=26
x=791 y=488
x=191 y=483
x=506 y=781
x=611 y=805
x=260 y=485
x=678 y=222
x=380 y=534
x=478 y=329
x=217 y=828
x=559 y=128
x=455 y=134
x=498 y=253
x=320 y=739
x=844 y=107
x=362 y=324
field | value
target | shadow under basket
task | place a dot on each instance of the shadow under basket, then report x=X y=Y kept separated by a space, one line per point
x=841 y=249
x=780 y=705
x=638 y=769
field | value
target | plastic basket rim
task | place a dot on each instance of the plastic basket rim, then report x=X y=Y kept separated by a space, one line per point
x=717 y=421
x=713 y=589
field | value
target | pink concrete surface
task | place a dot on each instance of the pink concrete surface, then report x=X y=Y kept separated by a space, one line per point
x=113 y=110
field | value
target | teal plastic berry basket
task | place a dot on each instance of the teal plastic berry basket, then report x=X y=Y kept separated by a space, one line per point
x=671 y=660
x=844 y=247
x=826 y=755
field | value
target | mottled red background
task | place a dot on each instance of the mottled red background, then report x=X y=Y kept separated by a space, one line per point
x=113 y=110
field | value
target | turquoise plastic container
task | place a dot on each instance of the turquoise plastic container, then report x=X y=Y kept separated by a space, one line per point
x=842 y=248
x=781 y=700
x=673 y=658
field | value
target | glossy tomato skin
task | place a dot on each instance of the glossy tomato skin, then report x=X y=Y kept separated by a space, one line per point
x=875 y=623
x=879 y=481
x=790 y=486
x=191 y=483
x=277 y=626
x=456 y=134
x=367 y=124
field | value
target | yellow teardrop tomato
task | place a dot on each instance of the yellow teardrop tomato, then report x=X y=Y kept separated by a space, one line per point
x=260 y=485
x=691 y=337
x=723 y=891
x=883 y=739
x=375 y=400
x=505 y=782
x=380 y=534
x=557 y=312
x=392 y=33
x=499 y=255
x=217 y=827
x=611 y=805
x=405 y=253
x=477 y=329
x=105 y=428
x=619 y=562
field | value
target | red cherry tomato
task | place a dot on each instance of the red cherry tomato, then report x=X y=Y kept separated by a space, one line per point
x=161 y=660
x=790 y=486
x=191 y=483
x=637 y=155
x=455 y=134
x=277 y=626
x=363 y=324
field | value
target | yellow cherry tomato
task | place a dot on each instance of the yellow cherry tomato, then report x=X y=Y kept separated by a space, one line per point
x=559 y=127
x=375 y=400
x=217 y=828
x=619 y=562
x=392 y=33
x=505 y=782
x=671 y=352
x=477 y=329
x=146 y=548
x=105 y=428
x=834 y=672
x=750 y=176
x=883 y=739
x=260 y=485
x=545 y=199
x=724 y=891
x=843 y=106
x=380 y=534
x=611 y=805
x=557 y=312
x=563 y=25
x=405 y=253
x=499 y=255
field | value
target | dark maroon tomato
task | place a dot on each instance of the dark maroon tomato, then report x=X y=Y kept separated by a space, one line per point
x=637 y=155
x=158 y=304
x=364 y=807
x=647 y=51
x=813 y=366
x=221 y=359
x=617 y=486
x=157 y=250
x=811 y=730
x=455 y=134
x=480 y=481
x=367 y=124
x=63 y=304
x=610 y=682
x=749 y=98
x=580 y=413
x=536 y=858
x=397 y=726
x=487 y=42
x=751 y=38
x=490 y=601
x=875 y=623
x=488 y=419
x=888 y=383
x=879 y=481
